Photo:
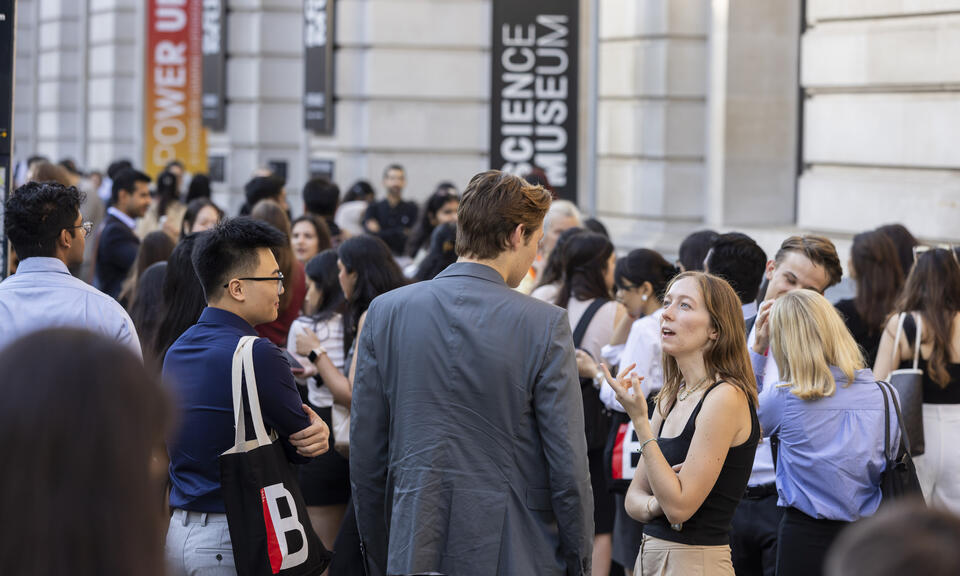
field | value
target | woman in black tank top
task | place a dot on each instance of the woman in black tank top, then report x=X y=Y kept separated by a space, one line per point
x=705 y=425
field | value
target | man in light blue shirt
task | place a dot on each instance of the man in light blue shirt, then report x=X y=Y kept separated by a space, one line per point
x=44 y=224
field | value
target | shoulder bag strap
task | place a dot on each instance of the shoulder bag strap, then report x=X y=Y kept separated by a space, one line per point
x=918 y=319
x=243 y=366
x=585 y=320
x=886 y=421
x=904 y=439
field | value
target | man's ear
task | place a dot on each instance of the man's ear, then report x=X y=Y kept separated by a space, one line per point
x=64 y=239
x=235 y=290
x=771 y=265
x=516 y=237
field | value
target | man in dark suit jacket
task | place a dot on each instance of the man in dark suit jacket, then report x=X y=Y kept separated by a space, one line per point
x=118 y=245
x=467 y=452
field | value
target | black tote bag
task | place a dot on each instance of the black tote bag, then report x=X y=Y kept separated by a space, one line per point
x=899 y=478
x=269 y=526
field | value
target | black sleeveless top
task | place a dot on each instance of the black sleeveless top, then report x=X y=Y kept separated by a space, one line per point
x=710 y=525
x=932 y=392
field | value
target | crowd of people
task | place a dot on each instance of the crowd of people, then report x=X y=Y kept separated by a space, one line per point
x=482 y=384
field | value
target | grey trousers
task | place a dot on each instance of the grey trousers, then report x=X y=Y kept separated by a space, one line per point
x=198 y=544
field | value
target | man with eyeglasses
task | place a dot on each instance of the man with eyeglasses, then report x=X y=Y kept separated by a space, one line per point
x=242 y=283
x=44 y=224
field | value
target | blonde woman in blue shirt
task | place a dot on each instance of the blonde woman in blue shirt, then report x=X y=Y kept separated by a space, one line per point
x=828 y=413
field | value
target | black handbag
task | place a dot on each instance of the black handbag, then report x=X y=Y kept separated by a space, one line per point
x=620 y=456
x=908 y=383
x=596 y=417
x=269 y=527
x=899 y=479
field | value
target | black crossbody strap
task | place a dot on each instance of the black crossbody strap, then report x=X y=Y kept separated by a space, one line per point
x=904 y=439
x=585 y=320
x=886 y=421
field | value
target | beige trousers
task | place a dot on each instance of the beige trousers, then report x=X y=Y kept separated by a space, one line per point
x=664 y=558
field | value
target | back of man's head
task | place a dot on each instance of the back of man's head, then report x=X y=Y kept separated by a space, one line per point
x=35 y=214
x=262 y=188
x=126 y=180
x=492 y=206
x=116 y=166
x=736 y=258
x=321 y=197
x=231 y=250
x=694 y=249
x=819 y=250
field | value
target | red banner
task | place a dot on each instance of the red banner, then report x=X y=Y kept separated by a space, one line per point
x=173 y=86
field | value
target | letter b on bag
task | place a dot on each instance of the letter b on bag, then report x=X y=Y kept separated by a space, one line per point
x=278 y=527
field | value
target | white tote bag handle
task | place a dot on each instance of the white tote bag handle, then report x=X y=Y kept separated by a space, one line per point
x=918 y=319
x=243 y=366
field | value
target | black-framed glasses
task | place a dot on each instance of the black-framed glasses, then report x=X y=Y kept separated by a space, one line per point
x=278 y=279
x=87 y=228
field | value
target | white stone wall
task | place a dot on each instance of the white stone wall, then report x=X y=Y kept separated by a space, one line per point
x=881 y=116
x=652 y=118
x=412 y=86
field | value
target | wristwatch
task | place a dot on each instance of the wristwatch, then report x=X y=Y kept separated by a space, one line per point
x=315 y=353
x=598 y=379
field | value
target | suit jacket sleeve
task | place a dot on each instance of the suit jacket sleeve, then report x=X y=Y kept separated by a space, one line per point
x=559 y=409
x=369 y=418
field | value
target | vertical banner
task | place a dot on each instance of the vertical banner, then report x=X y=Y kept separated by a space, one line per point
x=533 y=115
x=173 y=115
x=214 y=64
x=318 y=19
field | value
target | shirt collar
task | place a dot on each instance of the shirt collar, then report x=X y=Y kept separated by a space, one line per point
x=116 y=213
x=749 y=309
x=211 y=315
x=473 y=269
x=42 y=264
x=862 y=376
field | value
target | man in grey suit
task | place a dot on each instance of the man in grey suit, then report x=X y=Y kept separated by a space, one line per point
x=467 y=450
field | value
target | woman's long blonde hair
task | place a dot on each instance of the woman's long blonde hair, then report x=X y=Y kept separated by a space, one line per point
x=807 y=337
x=728 y=356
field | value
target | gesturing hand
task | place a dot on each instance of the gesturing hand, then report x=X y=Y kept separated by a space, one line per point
x=629 y=394
x=306 y=341
x=762 y=327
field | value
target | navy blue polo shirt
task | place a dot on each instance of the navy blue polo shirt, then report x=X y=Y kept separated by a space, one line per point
x=198 y=370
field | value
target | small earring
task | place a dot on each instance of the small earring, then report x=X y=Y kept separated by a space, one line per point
x=643 y=297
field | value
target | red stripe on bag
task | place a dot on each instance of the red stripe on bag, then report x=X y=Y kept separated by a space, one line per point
x=618 y=452
x=273 y=547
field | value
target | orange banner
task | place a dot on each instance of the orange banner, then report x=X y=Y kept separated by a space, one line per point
x=173 y=91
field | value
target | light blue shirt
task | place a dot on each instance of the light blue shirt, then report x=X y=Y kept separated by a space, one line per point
x=43 y=294
x=830 y=456
x=130 y=222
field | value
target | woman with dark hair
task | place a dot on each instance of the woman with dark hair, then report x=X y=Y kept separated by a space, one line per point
x=309 y=237
x=640 y=279
x=552 y=276
x=201 y=215
x=183 y=298
x=147 y=310
x=443 y=252
x=440 y=208
x=166 y=211
x=876 y=268
x=199 y=188
x=930 y=302
x=349 y=216
x=84 y=498
x=291 y=300
x=696 y=452
x=588 y=279
x=316 y=339
x=156 y=247
x=903 y=241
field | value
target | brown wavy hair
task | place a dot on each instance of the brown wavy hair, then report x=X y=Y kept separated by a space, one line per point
x=493 y=205
x=933 y=290
x=728 y=357
x=270 y=212
x=879 y=277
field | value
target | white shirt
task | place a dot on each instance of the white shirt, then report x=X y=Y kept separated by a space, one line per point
x=330 y=333
x=749 y=309
x=763 y=472
x=643 y=347
x=43 y=294
x=122 y=217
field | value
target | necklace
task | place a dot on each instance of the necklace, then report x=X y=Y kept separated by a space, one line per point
x=686 y=391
